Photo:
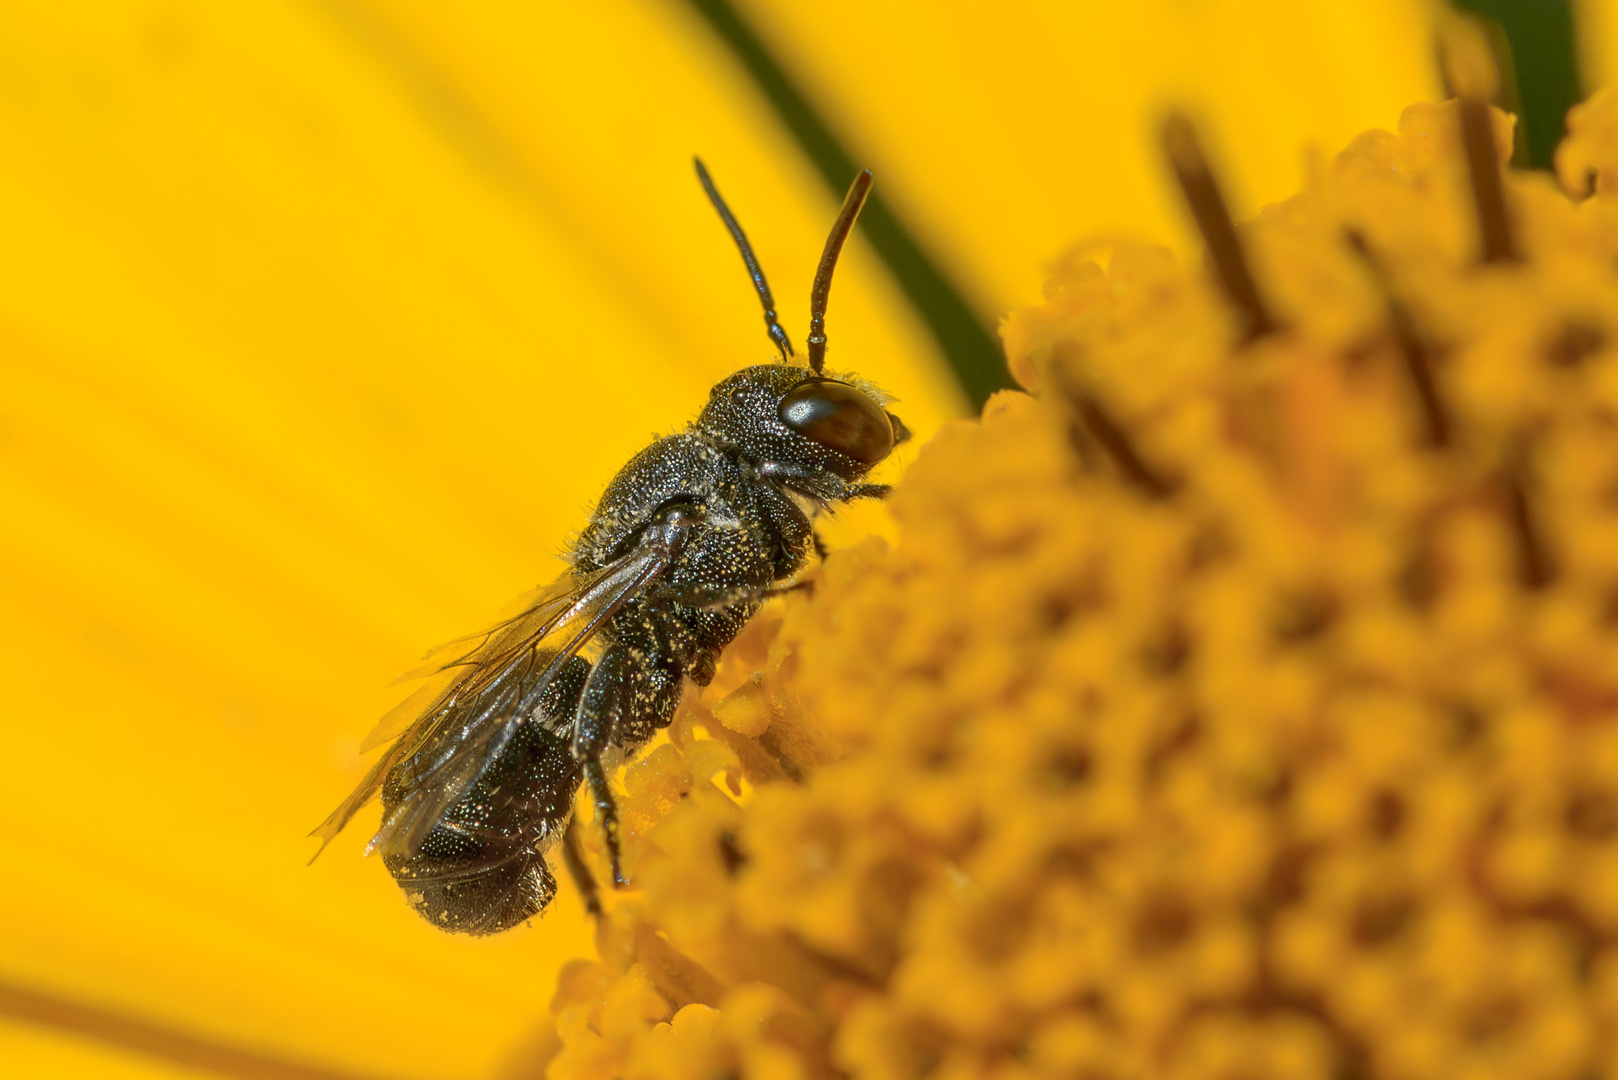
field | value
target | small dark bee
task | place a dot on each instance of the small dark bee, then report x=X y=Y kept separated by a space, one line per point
x=686 y=543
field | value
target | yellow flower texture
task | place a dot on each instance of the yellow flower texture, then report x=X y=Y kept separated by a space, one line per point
x=323 y=323
x=1238 y=703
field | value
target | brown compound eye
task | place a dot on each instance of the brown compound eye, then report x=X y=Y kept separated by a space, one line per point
x=841 y=418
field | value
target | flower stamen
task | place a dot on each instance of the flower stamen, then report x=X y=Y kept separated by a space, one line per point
x=1472 y=75
x=1207 y=204
x=1411 y=346
x=1535 y=568
x=1488 y=191
x=1097 y=423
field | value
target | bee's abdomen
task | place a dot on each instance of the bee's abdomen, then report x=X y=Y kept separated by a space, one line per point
x=467 y=898
x=482 y=868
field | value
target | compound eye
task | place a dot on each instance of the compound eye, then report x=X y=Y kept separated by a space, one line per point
x=841 y=418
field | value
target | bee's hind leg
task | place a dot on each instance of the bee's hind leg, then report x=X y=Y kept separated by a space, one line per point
x=869 y=491
x=606 y=813
x=631 y=692
x=579 y=870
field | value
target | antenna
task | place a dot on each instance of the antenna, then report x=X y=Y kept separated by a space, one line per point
x=852 y=202
x=777 y=335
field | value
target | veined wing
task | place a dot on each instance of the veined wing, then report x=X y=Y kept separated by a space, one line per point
x=478 y=689
x=532 y=615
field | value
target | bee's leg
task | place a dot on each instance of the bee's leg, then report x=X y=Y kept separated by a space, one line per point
x=607 y=813
x=578 y=870
x=869 y=491
x=782 y=590
x=606 y=694
x=632 y=690
x=793 y=526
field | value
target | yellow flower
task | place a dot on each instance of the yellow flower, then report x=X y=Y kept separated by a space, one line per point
x=1238 y=704
x=321 y=324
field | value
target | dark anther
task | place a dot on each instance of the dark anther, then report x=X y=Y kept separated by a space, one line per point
x=1094 y=421
x=1534 y=567
x=1387 y=815
x=1070 y=859
x=1420 y=579
x=1164 y=923
x=1178 y=741
x=1468 y=724
x=1379 y=919
x=1113 y=439
x=1210 y=545
x=1417 y=357
x=1068 y=766
x=731 y=853
x=1277 y=789
x=1055 y=610
x=1577 y=342
x=1286 y=881
x=1305 y=616
x=1488 y=189
x=1207 y=205
x=1592 y=815
x=1083 y=447
x=1166 y=653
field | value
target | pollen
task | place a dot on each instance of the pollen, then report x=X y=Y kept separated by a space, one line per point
x=1241 y=700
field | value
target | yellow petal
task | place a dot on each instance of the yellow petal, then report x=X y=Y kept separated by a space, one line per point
x=1597 y=27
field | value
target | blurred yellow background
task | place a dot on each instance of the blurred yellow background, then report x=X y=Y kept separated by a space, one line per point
x=322 y=322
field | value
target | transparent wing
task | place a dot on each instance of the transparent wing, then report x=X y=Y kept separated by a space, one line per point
x=529 y=616
x=477 y=689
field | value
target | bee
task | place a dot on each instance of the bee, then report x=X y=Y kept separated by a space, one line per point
x=685 y=544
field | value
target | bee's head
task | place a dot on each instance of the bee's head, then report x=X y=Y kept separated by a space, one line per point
x=789 y=414
x=797 y=416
